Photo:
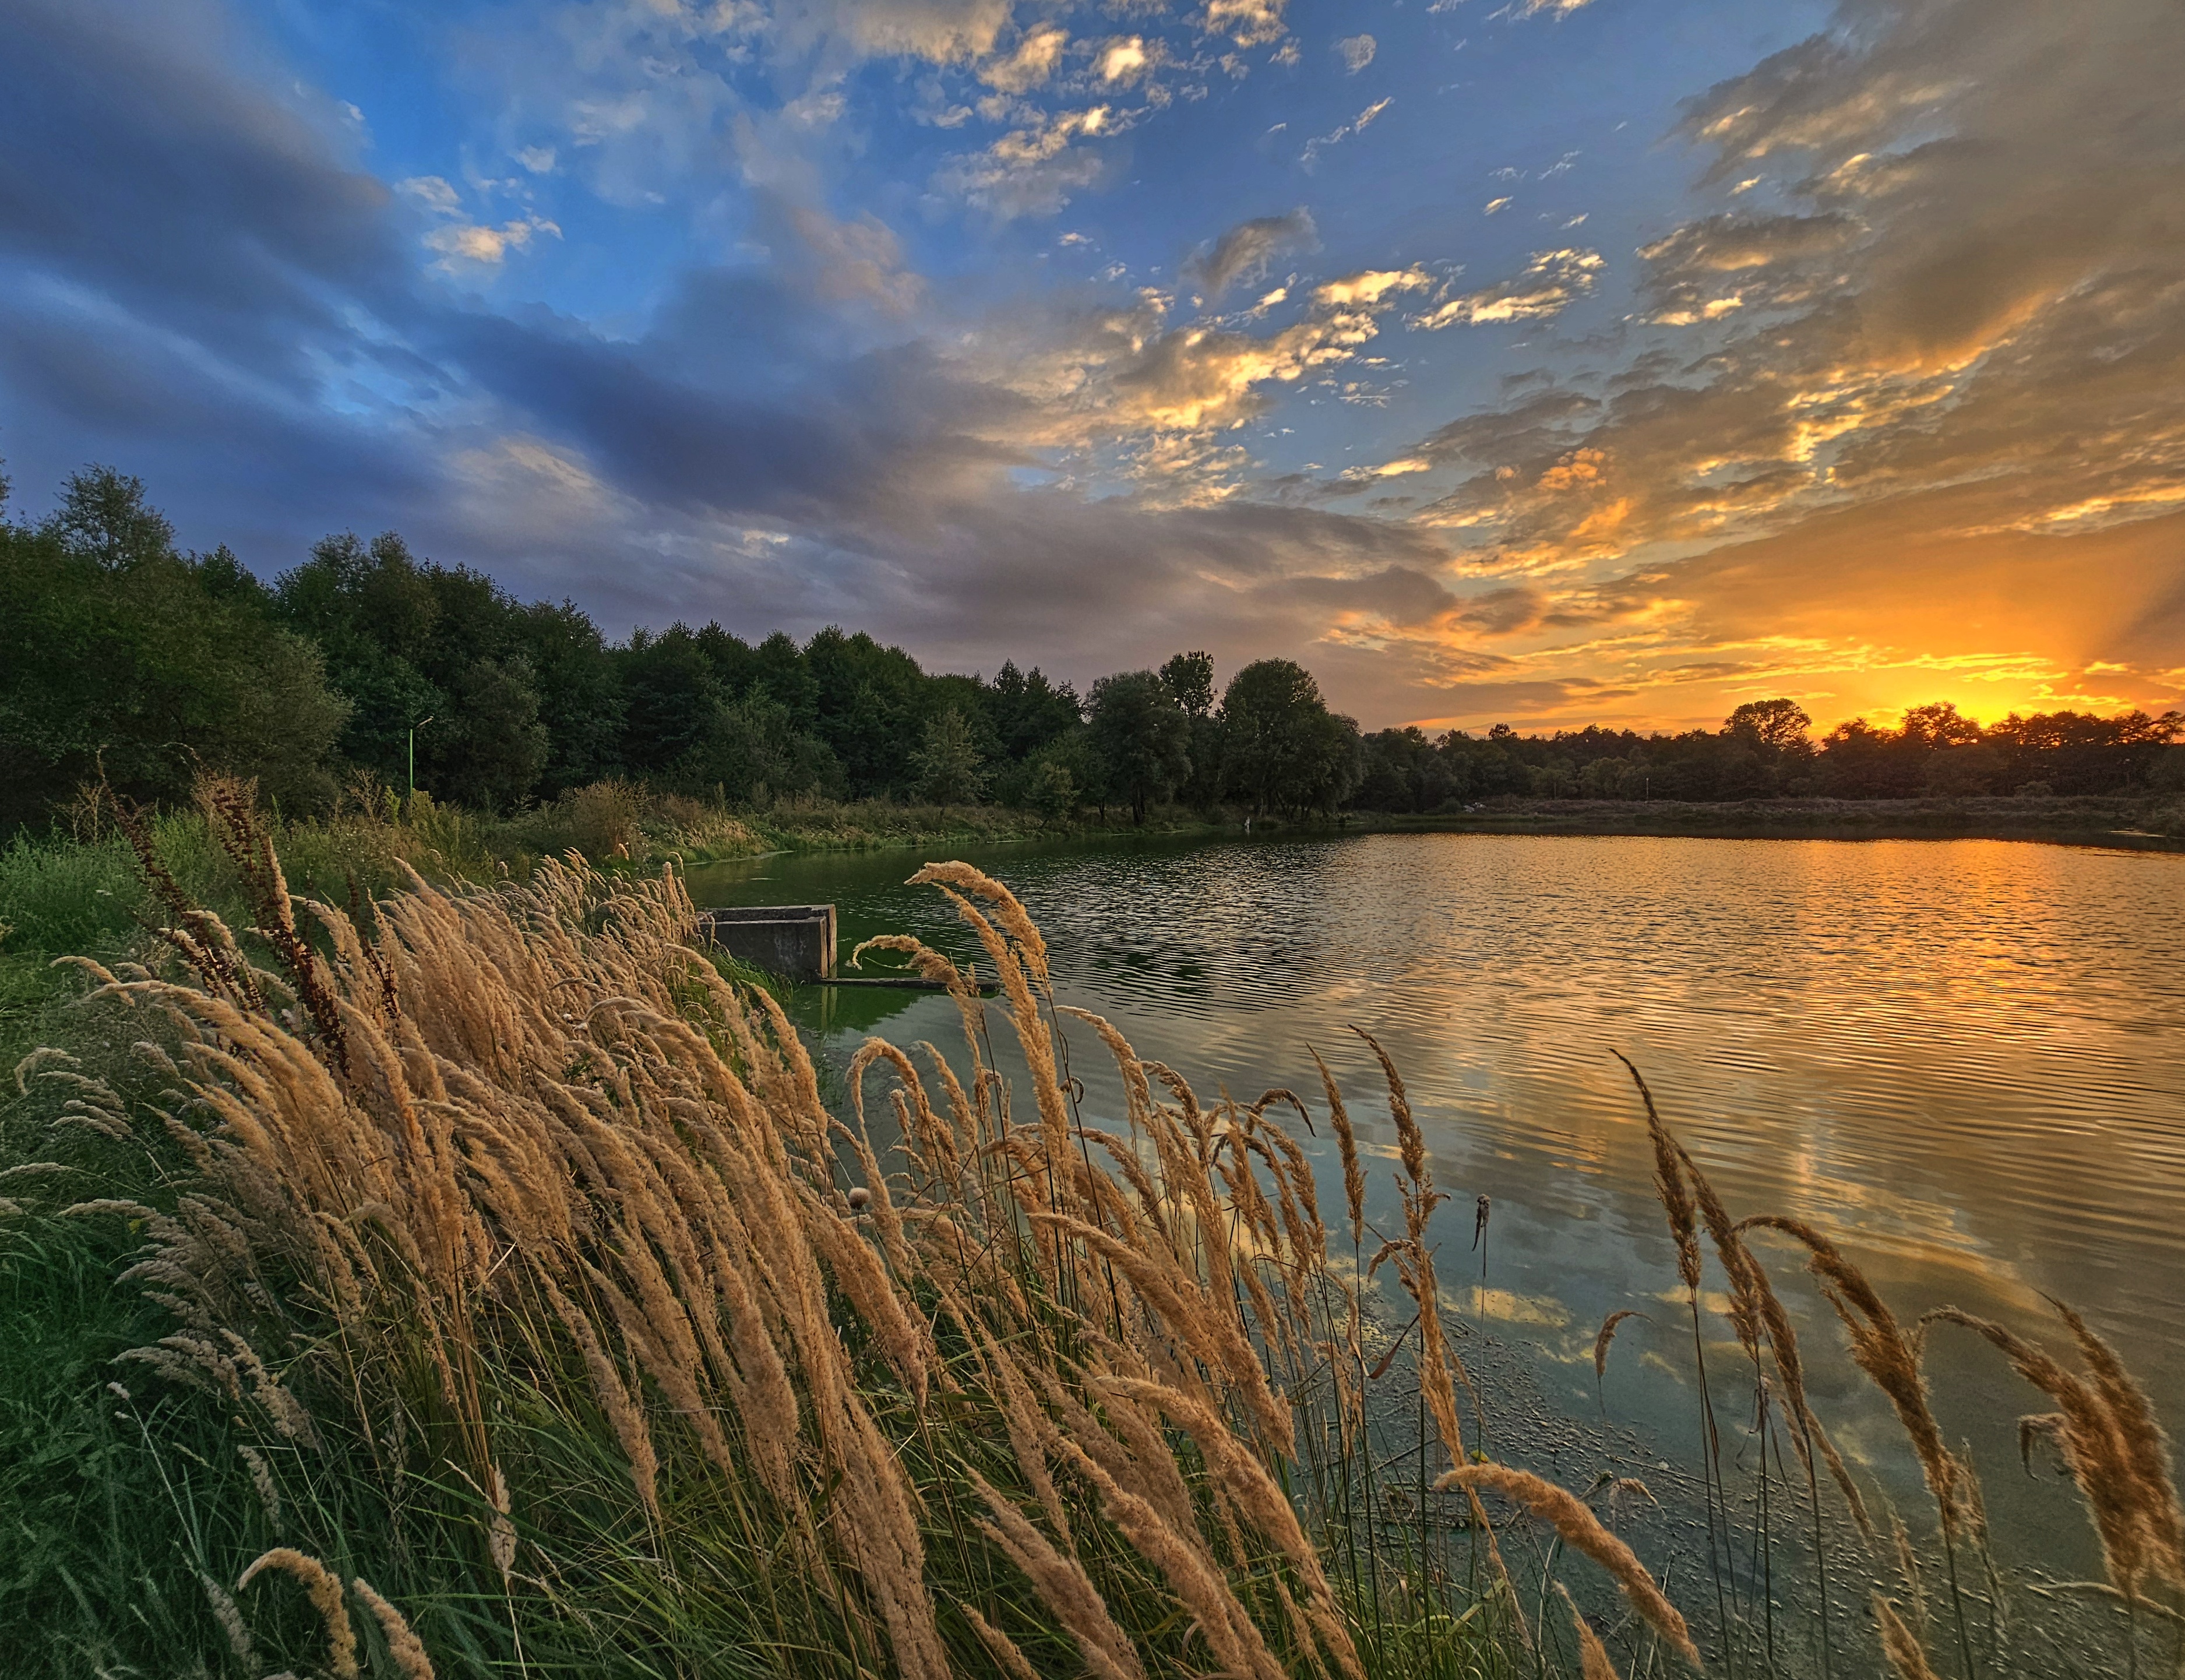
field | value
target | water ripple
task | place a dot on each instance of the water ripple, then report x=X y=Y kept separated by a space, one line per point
x=1968 y=1055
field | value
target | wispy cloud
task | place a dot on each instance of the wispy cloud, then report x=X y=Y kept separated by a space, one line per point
x=1357 y=124
x=1548 y=285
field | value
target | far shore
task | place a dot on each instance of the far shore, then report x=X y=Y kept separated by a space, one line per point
x=2137 y=824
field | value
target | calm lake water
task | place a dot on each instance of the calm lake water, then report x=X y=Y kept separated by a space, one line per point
x=1967 y=1058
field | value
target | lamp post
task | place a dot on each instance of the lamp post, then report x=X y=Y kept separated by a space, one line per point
x=414 y=728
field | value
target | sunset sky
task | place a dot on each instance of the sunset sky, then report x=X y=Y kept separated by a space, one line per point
x=1556 y=363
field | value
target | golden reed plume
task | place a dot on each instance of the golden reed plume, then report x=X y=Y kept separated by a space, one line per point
x=490 y=1129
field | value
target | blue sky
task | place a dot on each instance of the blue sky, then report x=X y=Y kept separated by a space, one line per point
x=1558 y=362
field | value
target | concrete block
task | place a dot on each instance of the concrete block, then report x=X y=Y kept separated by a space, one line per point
x=794 y=941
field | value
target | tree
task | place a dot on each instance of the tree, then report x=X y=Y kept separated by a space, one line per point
x=580 y=698
x=104 y=518
x=753 y=752
x=1141 y=736
x=1028 y=712
x=1284 y=749
x=1938 y=725
x=872 y=708
x=1053 y=790
x=1780 y=724
x=951 y=771
x=492 y=747
x=130 y=661
x=1403 y=771
x=671 y=696
x=1189 y=680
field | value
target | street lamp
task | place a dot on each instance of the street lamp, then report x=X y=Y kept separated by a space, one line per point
x=414 y=728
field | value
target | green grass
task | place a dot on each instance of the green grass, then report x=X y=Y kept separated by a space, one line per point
x=129 y=1502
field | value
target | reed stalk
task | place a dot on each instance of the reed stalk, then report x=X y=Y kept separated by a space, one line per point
x=520 y=1259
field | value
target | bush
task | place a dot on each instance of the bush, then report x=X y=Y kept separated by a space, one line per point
x=58 y=897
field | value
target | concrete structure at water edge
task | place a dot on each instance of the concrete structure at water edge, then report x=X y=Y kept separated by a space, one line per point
x=794 y=941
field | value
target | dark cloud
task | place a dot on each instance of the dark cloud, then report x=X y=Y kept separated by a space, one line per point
x=1244 y=252
x=1924 y=384
x=133 y=164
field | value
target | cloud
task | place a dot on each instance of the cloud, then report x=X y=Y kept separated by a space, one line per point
x=1550 y=283
x=1921 y=433
x=1910 y=422
x=1122 y=61
x=1248 y=23
x=1357 y=124
x=941 y=31
x=460 y=242
x=1356 y=51
x=433 y=193
x=473 y=243
x=1244 y=253
x=861 y=259
x=1709 y=268
x=1034 y=171
x=1029 y=63
x=1372 y=286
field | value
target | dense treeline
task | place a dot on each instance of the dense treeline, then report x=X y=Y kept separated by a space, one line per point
x=1765 y=750
x=126 y=659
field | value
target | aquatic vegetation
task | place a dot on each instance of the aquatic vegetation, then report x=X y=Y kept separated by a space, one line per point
x=506 y=1261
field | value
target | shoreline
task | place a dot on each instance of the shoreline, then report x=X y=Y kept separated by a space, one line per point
x=2116 y=823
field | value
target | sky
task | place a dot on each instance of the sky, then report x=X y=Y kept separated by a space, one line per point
x=1556 y=362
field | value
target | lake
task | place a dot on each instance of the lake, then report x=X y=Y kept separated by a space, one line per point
x=1965 y=1058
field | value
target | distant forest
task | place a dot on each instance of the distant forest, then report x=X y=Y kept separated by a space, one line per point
x=121 y=657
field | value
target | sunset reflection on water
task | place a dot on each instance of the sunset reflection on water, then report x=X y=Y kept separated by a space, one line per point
x=1964 y=1057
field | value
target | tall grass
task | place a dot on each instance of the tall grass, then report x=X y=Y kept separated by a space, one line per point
x=481 y=1281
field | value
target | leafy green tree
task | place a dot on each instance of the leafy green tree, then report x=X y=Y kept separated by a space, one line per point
x=671 y=695
x=492 y=745
x=372 y=614
x=580 y=698
x=1284 y=749
x=120 y=657
x=1142 y=735
x=950 y=769
x=779 y=670
x=1028 y=712
x=1403 y=771
x=104 y=518
x=871 y=709
x=1189 y=680
x=1053 y=790
x=1939 y=725
x=753 y=752
x=1557 y=779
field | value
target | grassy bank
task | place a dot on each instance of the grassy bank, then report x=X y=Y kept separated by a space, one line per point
x=78 y=889
x=819 y=826
x=485 y=1250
